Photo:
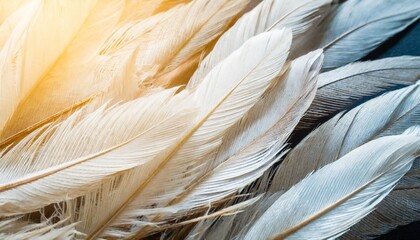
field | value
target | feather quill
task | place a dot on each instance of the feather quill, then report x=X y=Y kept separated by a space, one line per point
x=228 y=92
x=355 y=28
x=231 y=172
x=68 y=159
x=270 y=14
x=105 y=55
x=347 y=131
x=344 y=88
x=340 y=194
x=390 y=114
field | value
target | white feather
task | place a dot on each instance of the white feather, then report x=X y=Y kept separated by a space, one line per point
x=269 y=14
x=325 y=204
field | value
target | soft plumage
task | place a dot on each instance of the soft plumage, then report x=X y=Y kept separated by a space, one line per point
x=134 y=119
x=355 y=28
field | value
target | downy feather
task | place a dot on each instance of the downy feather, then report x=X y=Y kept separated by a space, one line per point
x=68 y=159
x=356 y=27
x=269 y=14
x=16 y=228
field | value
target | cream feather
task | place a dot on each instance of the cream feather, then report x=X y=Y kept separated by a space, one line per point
x=64 y=86
x=23 y=60
x=345 y=87
x=107 y=51
x=200 y=23
x=328 y=202
x=226 y=94
x=68 y=159
x=270 y=14
x=16 y=228
x=357 y=27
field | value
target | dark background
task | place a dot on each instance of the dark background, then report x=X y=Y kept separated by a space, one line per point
x=405 y=43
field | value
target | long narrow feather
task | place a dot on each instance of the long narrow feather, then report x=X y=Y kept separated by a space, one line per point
x=328 y=202
x=270 y=14
x=400 y=207
x=388 y=115
x=105 y=56
x=264 y=131
x=200 y=22
x=226 y=94
x=344 y=88
x=346 y=132
x=67 y=160
x=357 y=27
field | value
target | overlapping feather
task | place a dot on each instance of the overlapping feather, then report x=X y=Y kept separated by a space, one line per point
x=277 y=112
x=296 y=15
x=139 y=159
x=348 y=131
x=223 y=98
x=328 y=202
x=355 y=28
x=67 y=160
x=346 y=87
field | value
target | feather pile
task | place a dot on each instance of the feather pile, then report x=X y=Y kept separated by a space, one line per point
x=197 y=119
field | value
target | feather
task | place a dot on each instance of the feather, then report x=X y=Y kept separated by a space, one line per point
x=400 y=207
x=136 y=10
x=231 y=172
x=16 y=228
x=390 y=114
x=345 y=87
x=110 y=52
x=200 y=23
x=226 y=94
x=228 y=227
x=270 y=14
x=68 y=159
x=357 y=27
x=387 y=115
x=340 y=194
x=63 y=87
x=23 y=60
x=347 y=131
